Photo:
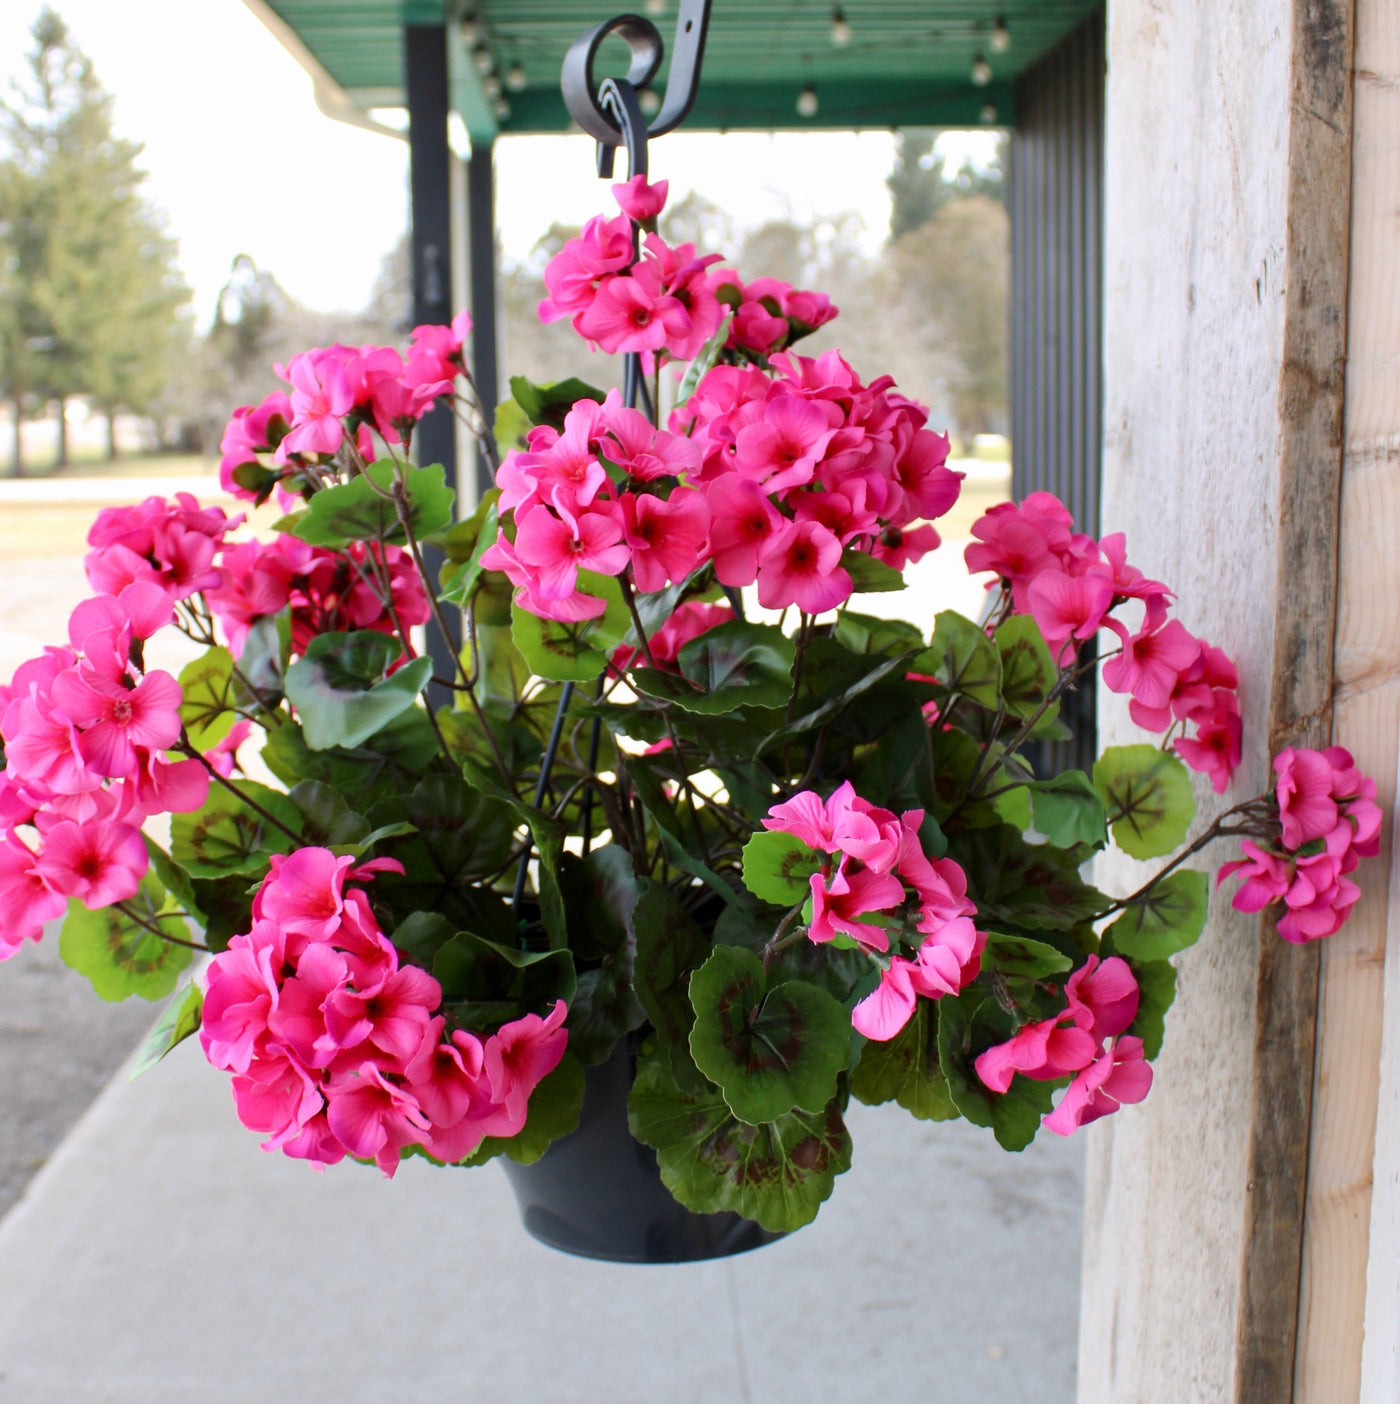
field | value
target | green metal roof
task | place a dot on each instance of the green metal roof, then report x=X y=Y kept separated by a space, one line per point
x=907 y=63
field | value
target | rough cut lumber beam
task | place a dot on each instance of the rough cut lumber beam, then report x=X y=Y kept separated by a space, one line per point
x=1228 y=166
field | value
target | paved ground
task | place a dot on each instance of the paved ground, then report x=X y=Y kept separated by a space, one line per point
x=159 y=1255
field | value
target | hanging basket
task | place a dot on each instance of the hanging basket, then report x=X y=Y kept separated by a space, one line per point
x=597 y=1193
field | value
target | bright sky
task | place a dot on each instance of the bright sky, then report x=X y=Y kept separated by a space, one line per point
x=243 y=162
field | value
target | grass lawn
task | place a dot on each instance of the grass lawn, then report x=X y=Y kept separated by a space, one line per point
x=139 y=465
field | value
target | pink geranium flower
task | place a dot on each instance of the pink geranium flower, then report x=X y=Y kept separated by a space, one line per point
x=1266 y=877
x=277 y=1096
x=1216 y=749
x=114 y=720
x=520 y=1054
x=853 y=892
x=241 y=992
x=321 y=397
x=1043 y=1051
x=556 y=548
x=100 y=862
x=373 y=1118
x=1151 y=662
x=1119 y=1076
x=801 y=565
x=1068 y=607
x=783 y=449
x=668 y=536
x=640 y=201
x=27 y=900
x=1306 y=807
x=1103 y=996
x=742 y=524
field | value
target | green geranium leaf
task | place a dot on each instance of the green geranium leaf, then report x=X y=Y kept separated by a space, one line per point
x=864 y=633
x=360 y=511
x=554 y=1111
x=1148 y=796
x=1022 y=885
x=178 y=1020
x=1013 y=1118
x=768 y=1050
x=1068 y=810
x=1014 y=807
x=777 y=867
x=1028 y=672
x=207 y=706
x=868 y=575
x=604 y=1008
x=962 y=658
x=670 y=947
x=736 y=665
x=340 y=690
x=173 y=877
x=227 y=836
x=226 y=905
x=1156 y=991
x=905 y=1069
x=1023 y=959
x=327 y=820
x=573 y=652
x=777 y=1174
x=471 y=968
x=462 y=581
x=1167 y=918
x=121 y=956
x=263 y=664
x=550 y=404
x=600 y=894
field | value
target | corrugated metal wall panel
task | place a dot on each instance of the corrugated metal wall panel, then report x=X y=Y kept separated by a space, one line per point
x=1056 y=198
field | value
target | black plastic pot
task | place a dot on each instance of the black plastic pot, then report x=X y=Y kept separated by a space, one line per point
x=597 y=1193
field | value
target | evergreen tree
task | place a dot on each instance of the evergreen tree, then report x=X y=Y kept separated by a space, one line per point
x=92 y=301
x=921 y=184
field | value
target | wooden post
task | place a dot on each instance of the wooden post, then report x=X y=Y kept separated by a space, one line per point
x=1227 y=230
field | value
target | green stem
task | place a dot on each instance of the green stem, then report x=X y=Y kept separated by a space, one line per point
x=189 y=749
x=156 y=930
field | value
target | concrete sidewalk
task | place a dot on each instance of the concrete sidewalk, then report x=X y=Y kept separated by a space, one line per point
x=161 y=1256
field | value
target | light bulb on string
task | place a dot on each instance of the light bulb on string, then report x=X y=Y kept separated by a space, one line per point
x=1001 y=36
x=989 y=114
x=491 y=85
x=516 y=80
x=501 y=108
x=840 y=28
x=483 y=61
x=649 y=102
x=656 y=7
x=807 y=102
x=469 y=27
x=981 y=73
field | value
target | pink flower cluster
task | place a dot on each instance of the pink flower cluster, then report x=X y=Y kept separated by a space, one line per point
x=327 y=591
x=339 y=392
x=1329 y=820
x=1086 y=1039
x=569 y=514
x=873 y=861
x=85 y=732
x=169 y=544
x=666 y=303
x=1071 y=584
x=800 y=467
x=336 y=1047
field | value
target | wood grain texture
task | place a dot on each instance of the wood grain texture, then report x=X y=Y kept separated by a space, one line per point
x=1369 y=625
x=1226 y=240
x=1311 y=408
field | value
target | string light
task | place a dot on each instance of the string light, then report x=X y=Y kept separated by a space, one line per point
x=491 y=85
x=656 y=7
x=807 y=102
x=989 y=113
x=469 y=27
x=483 y=60
x=981 y=72
x=840 y=28
x=649 y=102
x=1001 y=36
x=501 y=108
x=516 y=80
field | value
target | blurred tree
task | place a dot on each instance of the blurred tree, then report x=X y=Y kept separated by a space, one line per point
x=955 y=266
x=921 y=184
x=93 y=297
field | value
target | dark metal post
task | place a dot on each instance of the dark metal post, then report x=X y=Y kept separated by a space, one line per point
x=481 y=245
x=425 y=81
